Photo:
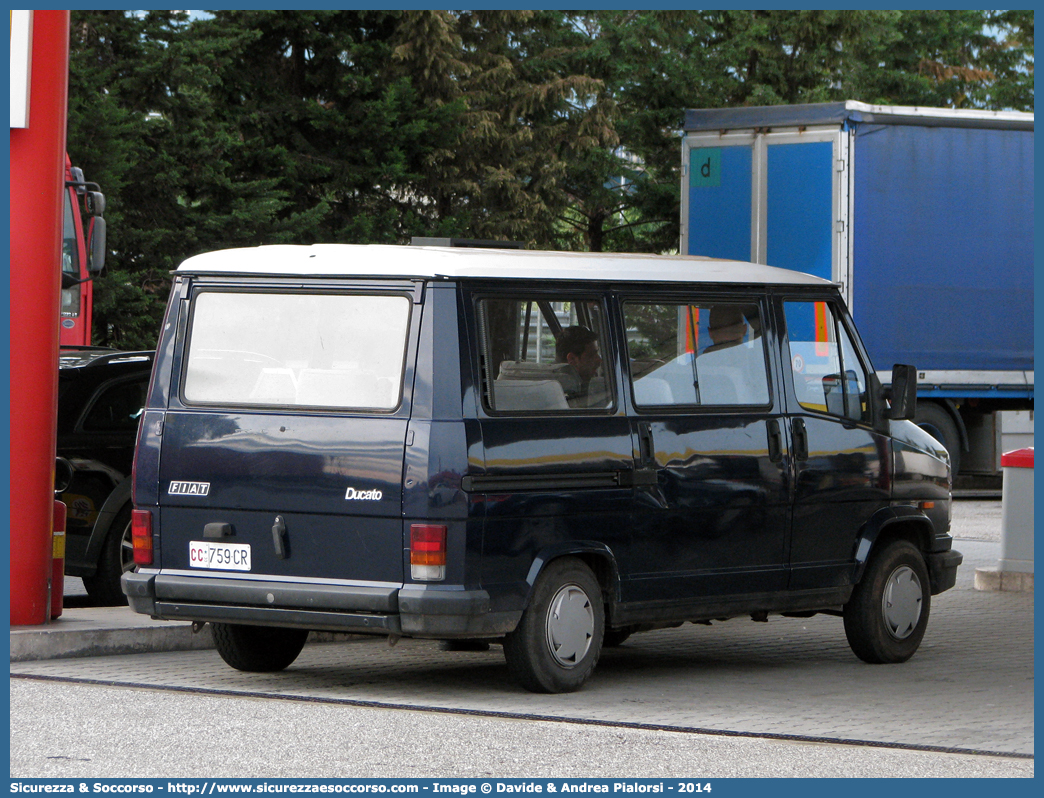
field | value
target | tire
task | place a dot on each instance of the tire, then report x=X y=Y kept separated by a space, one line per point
x=557 y=642
x=117 y=557
x=888 y=613
x=257 y=649
x=612 y=638
x=938 y=423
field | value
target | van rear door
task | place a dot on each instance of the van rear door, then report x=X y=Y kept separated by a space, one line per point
x=282 y=448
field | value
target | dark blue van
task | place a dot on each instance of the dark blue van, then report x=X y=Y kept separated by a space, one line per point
x=548 y=450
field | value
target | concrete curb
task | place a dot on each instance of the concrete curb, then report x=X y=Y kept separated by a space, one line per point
x=107 y=631
x=103 y=631
x=1010 y=581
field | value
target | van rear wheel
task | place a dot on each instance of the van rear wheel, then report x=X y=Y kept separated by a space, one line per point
x=887 y=615
x=257 y=649
x=557 y=642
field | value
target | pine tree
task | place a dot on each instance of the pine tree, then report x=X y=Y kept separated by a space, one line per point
x=557 y=129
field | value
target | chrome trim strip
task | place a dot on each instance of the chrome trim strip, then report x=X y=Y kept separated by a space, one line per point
x=255 y=577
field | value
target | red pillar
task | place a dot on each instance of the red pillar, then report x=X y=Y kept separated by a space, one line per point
x=37 y=178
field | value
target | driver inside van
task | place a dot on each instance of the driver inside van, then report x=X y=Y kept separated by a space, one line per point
x=726 y=327
x=578 y=346
x=729 y=371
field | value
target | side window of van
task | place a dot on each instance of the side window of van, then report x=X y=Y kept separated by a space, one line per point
x=543 y=354
x=699 y=353
x=344 y=351
x=828 y=376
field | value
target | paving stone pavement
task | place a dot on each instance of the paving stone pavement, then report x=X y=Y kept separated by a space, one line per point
x=970 y=686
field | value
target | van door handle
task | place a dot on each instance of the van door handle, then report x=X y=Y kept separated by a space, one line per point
x=646 y=452
x=279 y=537
x=775 y=441
x=800 y=439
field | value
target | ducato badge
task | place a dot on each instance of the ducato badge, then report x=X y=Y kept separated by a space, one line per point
x=363 y=495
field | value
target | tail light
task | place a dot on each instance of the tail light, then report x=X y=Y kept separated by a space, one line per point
x=428 y=552
x=141 y=536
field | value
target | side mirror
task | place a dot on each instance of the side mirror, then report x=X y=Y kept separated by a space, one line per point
x=95 y=202
x=96 y=256
x=904 y=393
x=843 y=397
x=63 y=474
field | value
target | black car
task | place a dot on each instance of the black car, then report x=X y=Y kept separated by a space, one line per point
x=101 y=393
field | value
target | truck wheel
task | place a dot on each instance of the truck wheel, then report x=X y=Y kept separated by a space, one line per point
x=117 y=557
x=886 y=617
x=257 y=649
x=557 y=642
x=934 y=420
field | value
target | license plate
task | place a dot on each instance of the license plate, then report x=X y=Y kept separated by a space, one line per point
x=222 y=556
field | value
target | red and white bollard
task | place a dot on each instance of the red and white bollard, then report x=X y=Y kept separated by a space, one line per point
x=1014 y=572
x=1017 y=511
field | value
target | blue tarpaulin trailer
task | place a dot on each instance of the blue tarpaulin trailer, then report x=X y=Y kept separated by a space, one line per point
x=923 y=215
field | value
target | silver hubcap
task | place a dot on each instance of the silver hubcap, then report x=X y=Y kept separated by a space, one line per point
x=570 y=625
x=901 y=602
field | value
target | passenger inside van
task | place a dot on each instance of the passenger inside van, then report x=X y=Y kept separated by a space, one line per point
x=578 y=347
x=731 y=371
x=544 y=353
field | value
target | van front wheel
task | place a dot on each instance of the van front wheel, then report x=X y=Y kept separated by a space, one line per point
x=257 y=649
x=557 y=642
x=887 y=615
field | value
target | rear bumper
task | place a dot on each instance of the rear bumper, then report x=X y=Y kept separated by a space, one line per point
x=412 y=611
x=942 y=569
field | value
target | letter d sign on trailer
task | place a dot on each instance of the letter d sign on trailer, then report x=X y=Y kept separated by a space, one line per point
x=705 y=169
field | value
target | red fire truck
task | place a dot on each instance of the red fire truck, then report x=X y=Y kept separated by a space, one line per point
x=83 y=254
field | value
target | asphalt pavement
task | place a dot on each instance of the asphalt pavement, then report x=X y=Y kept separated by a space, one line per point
x=783 y=698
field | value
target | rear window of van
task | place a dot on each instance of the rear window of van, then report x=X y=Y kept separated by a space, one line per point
x=297 y=349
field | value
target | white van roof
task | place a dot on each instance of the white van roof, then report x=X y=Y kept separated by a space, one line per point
x=378 y=260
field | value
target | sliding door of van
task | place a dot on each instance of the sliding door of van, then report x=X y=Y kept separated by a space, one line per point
x=557 y=465
x=841 y=464
x=712 y=504
x=282 y=448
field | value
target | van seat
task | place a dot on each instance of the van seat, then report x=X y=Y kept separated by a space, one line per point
x=721 y=386
x=563 y=373
x=275 y=385
x=528 y=395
